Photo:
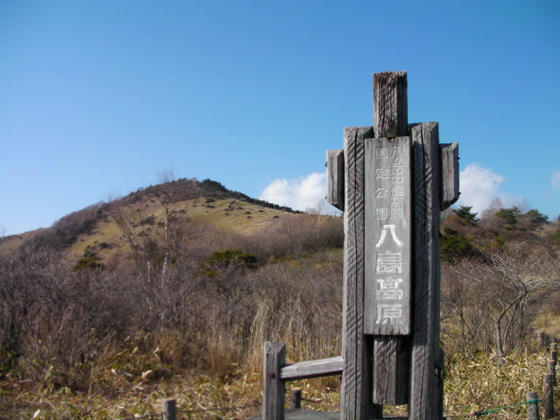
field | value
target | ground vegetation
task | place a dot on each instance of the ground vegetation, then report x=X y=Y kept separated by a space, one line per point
x=172 y=293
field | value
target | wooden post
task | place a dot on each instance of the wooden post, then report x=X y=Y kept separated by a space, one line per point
x=357 y=351
x=169 y=410
x=548 y=396
x=533 y=408
x=552 y=371
x=390 y=104
x=274 y=391
x=388 y=207
x=393 y=197
x=296 y=398
x=427 y=206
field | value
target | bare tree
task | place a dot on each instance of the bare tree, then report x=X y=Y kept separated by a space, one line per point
x=168 y=197
x=521 y=274
x=502 y=291
x=125 y=220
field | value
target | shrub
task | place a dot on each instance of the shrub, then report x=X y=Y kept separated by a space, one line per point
x=225 y=258
x=454 y=246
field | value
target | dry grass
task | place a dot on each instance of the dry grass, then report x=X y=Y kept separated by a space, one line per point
x=226 y=215
x=192 y=391
x=478 y=383
x=112 y=343
x=474 y=383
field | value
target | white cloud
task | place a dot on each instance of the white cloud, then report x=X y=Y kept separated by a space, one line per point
x=555 y=181
x=480 y=188
x=304 y=193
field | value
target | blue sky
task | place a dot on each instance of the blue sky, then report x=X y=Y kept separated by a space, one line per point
x=98 y=97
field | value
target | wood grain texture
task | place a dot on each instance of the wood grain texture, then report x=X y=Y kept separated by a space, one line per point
x=335 y=178
x=533 y=409
x=390 y=104
x=449 y=155
x=391 y=370
x=388 y=231
x=312 y=369
x=388 y=285
x=357 y=352
x=426 y=176
x=391 y=355
x=274 y=390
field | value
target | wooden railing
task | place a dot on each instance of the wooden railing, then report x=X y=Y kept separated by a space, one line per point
x=277 y=372
x=312 y=369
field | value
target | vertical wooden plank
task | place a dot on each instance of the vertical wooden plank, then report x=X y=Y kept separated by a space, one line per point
x=391 y=355
x=391 y=370
x=274 y=391
x=436 y=397
x=390 y=104
x=449 y=155
x=388 y=230
x=387 y=270
x=426 y=181
x=533 y=408
x=335 y=178
x=356 y=377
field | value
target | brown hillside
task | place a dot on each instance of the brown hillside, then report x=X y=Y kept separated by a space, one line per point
x=200 y=215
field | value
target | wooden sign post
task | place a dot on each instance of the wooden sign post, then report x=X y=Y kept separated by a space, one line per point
x=391 y=181
x=397 y=179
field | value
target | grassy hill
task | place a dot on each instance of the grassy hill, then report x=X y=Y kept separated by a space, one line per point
x=187 y=210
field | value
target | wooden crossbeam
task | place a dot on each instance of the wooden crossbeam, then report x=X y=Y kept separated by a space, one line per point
x=312 y=369
x=335 y=178
x=449 y=157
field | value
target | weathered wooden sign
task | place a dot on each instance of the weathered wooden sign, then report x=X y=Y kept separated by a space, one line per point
x=388 y=236
x=392 y=180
